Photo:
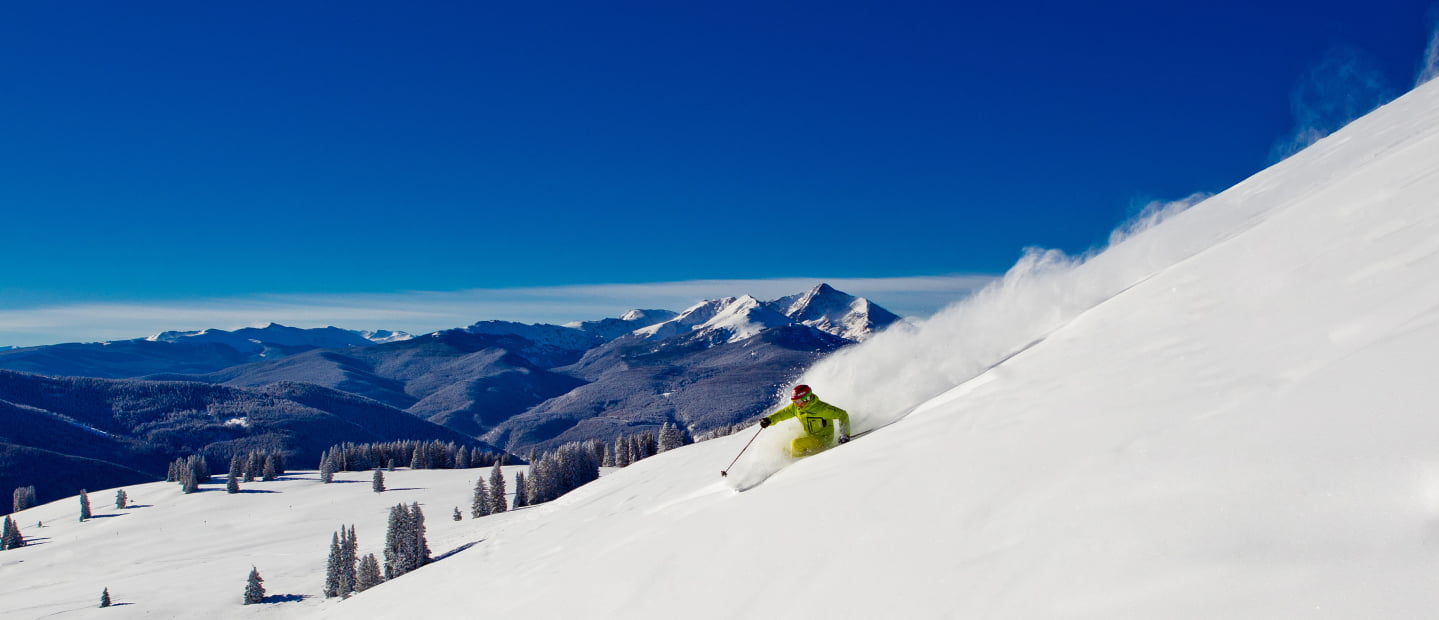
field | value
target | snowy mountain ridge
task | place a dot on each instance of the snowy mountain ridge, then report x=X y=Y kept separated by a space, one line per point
x=253 y=339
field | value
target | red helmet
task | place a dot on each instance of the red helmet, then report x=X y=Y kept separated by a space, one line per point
x=801 y=392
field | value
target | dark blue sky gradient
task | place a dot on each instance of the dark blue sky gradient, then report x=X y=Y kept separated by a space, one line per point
x=171 y=150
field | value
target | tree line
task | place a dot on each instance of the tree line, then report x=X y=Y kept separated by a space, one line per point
x=416 y=454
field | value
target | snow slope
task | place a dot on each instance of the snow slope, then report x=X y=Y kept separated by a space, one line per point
x=172 y=555
x=1226 y=415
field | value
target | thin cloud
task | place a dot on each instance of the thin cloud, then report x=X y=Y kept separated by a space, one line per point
x=1344 y=86
x=427 y=311
x=1430 y=67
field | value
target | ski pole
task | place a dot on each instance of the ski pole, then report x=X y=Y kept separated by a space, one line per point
x=725 y=472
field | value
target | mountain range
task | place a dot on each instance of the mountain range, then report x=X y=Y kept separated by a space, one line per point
x=498 y=385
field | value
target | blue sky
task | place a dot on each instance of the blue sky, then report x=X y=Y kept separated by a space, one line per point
x=288 y=160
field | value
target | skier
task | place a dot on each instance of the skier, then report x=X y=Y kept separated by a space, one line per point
x=818 y=419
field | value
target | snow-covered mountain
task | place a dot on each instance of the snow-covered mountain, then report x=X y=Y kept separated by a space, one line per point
x=185 y=352
x=834 y=312
x=259 y=339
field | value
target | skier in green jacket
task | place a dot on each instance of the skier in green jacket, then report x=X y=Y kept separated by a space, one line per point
x=818 y=419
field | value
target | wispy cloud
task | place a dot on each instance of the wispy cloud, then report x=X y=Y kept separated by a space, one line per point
x=1344 y=86
x=1430 y=67
x=427 y=311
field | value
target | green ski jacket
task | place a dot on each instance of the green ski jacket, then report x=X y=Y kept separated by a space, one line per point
x=818 y=419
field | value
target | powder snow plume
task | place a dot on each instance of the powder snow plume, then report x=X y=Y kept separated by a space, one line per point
x=882 y=379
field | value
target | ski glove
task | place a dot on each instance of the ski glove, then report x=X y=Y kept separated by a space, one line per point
x=844 y=438
x=763 y=422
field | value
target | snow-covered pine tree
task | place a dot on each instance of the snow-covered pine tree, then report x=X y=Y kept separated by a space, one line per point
x=254 y=588
x=327 y=468
x=480 y=502
x=671 y=437
x=188 y=482
x=10 y=537
x=23 y=498
x=271 y=469
x=369 y=574
x=349 y=548
x=105 y=598
x=377 y=482
x=396 y=542
x=458 y=516
x=232 y=483
x=519 y=490
x=462 y=458
x=237 y=466
x=417 y=530
x=253 y=465
x=84 y=505
x=332 y=568
x=121 y=499
x=497 y=489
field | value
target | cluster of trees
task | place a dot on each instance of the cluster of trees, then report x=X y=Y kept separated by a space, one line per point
x=346 y=572
x=405 y=546
x=562 y=471
x=189 y=472
x=10 y=537
x=24 y=497
x=490 y=498
x=628 y=449
x=721 y=431
x=417 y=454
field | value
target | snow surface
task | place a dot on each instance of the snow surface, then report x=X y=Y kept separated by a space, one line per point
x=172 y=555
x=1229 y=413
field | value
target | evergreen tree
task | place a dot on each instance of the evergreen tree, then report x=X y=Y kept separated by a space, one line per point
x=271 y=469
x=396 y=556
x=10 y=537
x=519 y=490
x=84 y=505
x=417 y=530
x=497 y=489
x=671 y=437
x=121 y=499
x=462 y=458
x=254 y=588
x=237 y=466
x=327 y=468
x=252 y=466
x=377 y=483
x=458 y=516
x=480 y=503
x=232 y=483
x=349 y=548
x=105 y=598
x=188 y=482
x=23 y=498
x=332 y=568
x=369 y=574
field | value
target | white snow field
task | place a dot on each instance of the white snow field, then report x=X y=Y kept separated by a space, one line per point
x=1229 y=414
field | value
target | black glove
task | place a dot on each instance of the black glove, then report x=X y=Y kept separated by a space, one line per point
x=763 y=422
x=844 y=438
